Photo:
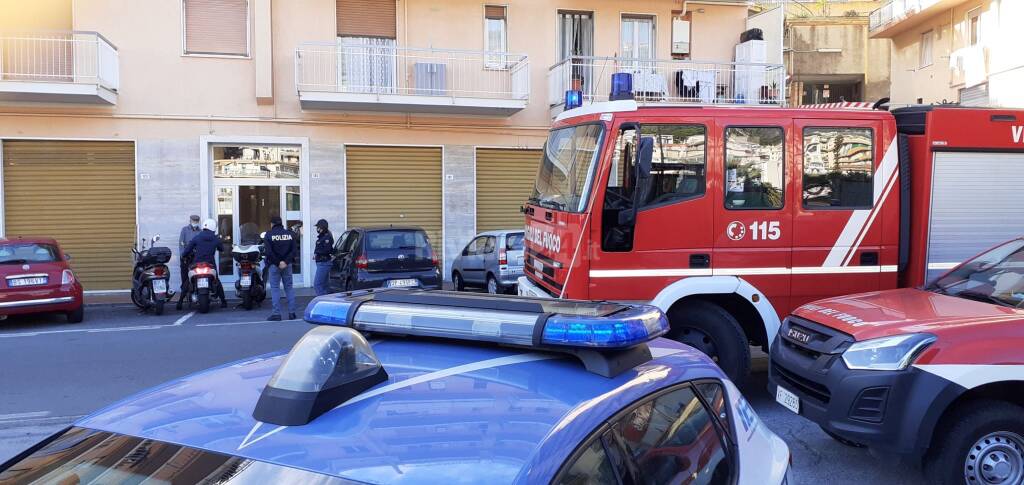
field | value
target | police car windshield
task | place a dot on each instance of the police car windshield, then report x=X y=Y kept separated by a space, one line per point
x=84 y=456
x=996 y=276
x=567 y=169
x=27 y=253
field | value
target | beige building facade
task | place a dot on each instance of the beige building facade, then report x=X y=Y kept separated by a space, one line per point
x=954 y=51
x=355 y=111
x=830 y=56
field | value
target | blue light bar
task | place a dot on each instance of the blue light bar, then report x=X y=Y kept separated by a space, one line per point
x=573 y=99
x=525 y=322
x=622 y=86
x=626 y=329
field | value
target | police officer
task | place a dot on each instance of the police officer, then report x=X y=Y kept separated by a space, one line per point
x=281 y=249
x=203 y=248
x=186 y=234
x=322 y=256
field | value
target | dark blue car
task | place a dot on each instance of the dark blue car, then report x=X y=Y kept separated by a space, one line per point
x=384 y=257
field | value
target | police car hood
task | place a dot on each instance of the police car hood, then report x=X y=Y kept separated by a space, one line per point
x=907 y=310
x=449 y=413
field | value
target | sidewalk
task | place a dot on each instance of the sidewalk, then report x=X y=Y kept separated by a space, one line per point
x=105 y=298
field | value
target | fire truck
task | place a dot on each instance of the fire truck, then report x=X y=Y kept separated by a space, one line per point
x=727 y=217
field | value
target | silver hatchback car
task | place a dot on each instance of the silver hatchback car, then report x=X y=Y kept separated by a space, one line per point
x=492 y=260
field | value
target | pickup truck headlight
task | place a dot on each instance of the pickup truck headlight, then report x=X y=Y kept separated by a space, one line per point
x=887 y=353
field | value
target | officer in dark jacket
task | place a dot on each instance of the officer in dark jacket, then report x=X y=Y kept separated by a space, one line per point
x=203 y=248
x=281 y=250
x=322 y=256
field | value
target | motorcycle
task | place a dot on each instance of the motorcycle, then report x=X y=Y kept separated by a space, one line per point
x=150 y=278
x=250 y=286
x=203 y=285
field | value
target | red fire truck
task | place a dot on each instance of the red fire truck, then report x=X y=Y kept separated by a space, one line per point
x=727 y=217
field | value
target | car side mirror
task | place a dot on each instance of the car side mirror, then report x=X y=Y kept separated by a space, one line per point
x=67 y=257
x=155 y=239
x=263 y=234
x=465 y=252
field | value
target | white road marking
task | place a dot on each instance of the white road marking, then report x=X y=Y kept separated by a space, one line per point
x=227 y=324
x=184 y=317
x=21 y=416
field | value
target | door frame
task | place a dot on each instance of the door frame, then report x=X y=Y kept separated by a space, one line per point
x=208 y=185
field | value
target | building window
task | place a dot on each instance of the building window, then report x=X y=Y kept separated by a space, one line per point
x=754 y=168
x=216 y=27
x=838 y=165
x=637 y=37
x=927 y=42
x=495 y=35
x=973 y=20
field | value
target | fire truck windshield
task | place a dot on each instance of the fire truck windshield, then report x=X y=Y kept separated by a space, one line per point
x=996 y=276
x=568 y=168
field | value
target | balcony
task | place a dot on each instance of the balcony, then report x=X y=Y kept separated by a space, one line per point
x=367 y=77
x=899 y=16
x=58 y=67
x=669 y=81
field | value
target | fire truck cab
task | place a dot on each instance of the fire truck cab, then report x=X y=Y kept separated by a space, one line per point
x=727 y=217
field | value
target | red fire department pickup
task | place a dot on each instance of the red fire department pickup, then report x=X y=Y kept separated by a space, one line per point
x=728 y=217
x=934 y=373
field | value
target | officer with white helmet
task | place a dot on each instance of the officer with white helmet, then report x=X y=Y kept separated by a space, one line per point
x=203 y=248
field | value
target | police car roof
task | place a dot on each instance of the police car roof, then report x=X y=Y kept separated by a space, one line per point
x=450 y=412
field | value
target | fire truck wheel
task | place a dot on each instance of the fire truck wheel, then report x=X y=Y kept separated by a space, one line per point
x=982 y=442
x=712 y=330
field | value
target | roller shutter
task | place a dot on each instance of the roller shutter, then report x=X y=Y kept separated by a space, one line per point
x=975 y=205
x=81 y=193
x=504 y=180
x=366 y=18
x=395 y=185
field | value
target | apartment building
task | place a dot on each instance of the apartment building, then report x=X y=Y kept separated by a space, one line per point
x=829 y=54
x=954 y=51
x=120 y=118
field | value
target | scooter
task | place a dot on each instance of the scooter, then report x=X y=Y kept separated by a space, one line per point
x=250 y=286
x=150 y=278
x=204 y=285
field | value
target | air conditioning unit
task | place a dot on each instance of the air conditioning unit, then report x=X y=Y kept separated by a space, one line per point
x=680 y=36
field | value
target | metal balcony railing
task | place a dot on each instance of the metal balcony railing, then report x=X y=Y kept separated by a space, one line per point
x=389 y=70
x=59 y=57
x=670 y=81
x=894 y=10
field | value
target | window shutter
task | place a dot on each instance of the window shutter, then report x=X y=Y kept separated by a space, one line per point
x=367 y=18
x=217 y=27
x=494 y=12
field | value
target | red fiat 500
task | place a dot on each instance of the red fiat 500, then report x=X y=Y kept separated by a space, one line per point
x=35 y=278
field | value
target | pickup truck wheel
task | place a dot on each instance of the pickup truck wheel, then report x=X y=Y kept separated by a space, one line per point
x=983 y=443
x=713 y=331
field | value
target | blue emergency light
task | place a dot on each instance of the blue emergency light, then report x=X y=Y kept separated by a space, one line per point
x=333 y=363
x=622 y=86
x=573 y=99
x=569 y=326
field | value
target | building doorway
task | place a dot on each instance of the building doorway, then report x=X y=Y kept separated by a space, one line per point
x=253 y=184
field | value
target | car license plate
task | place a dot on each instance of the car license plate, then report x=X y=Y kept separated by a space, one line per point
x=246 y=281
x=404 y=283
x=519 y=261
x=537 y=265
x=37 y=280
x=159 y=286
x=787 y=399
x=202 y=283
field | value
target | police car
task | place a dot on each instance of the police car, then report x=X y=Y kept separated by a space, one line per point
x=414 y=386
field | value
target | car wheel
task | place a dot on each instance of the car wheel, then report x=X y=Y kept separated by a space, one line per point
x=457 y=282
x=983 y=442
x=76 y=315
x=492 y=285
x=712 y=330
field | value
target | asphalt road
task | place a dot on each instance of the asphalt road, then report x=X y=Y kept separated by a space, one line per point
x=52 y=372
